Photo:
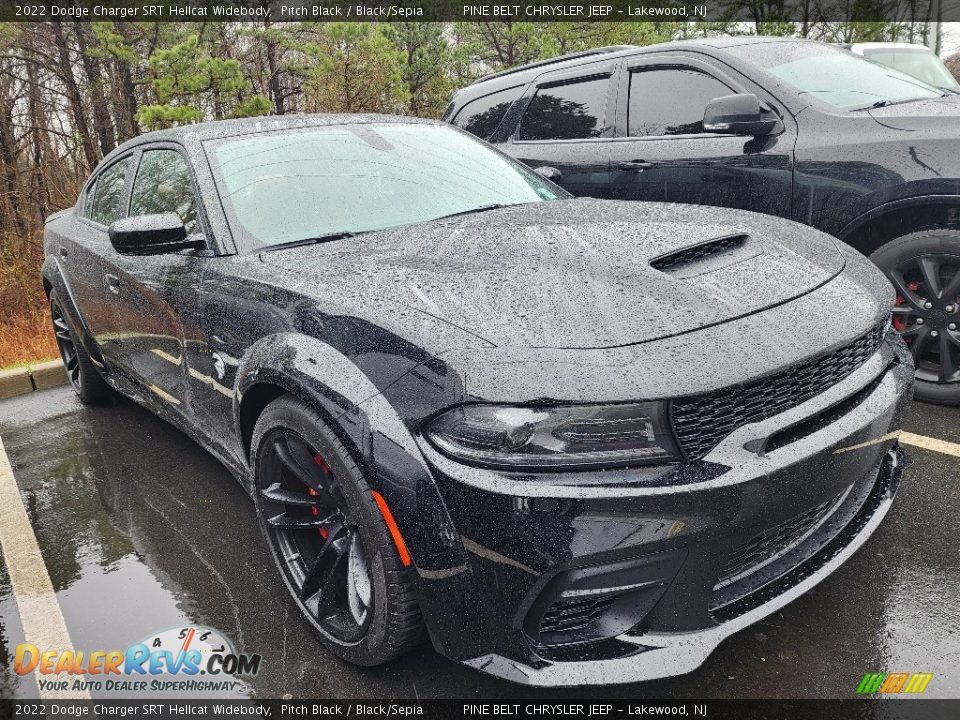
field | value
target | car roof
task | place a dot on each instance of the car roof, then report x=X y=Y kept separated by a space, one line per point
x=561 y=61
x=525 y=73
x=891 y=46
x=736 y=40
x=218 y=129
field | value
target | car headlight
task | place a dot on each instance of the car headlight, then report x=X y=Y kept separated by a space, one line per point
x=555 y=437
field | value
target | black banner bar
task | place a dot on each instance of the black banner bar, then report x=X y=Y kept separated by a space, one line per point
x=749 y=11
x=900 y=709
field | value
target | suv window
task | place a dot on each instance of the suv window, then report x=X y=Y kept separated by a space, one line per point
x=88 y=198
x=482 y=116
x=670 y=101
x=163 y=185
x=569 y=111
x=103 y=205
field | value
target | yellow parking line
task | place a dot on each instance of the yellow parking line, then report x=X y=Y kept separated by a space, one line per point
x=875 y=441
x=40 y=615
x=166 y=356
x=929 y=443
x=164 y=395
x=222 y=389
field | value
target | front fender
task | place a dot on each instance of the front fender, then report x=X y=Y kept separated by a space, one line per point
x=53 y=273
x=444 y=581
x=319 y=374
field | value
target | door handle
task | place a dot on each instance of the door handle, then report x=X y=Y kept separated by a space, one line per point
x=635 y=165
x=113 y=282
x=63 y=252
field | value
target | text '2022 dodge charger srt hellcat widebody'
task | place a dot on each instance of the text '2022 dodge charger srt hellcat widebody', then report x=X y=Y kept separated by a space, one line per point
x=568 y=440
x=795 y=128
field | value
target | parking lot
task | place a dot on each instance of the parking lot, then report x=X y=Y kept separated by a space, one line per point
x=140 y=530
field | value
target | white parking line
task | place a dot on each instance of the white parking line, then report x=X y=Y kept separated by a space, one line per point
x=929 y=443
x=40 y=615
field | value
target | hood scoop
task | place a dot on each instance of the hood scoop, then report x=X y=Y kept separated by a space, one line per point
x=706 y=256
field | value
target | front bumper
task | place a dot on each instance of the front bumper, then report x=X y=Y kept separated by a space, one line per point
x=648 y=655
x=573 y=583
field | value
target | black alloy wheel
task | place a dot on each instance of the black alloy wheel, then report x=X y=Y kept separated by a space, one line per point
x=308 y=520
x=328 y=538
x=927 y=316
x=68 y=350
x=925 y=271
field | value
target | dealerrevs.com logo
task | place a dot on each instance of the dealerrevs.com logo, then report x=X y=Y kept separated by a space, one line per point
x=188 y=652
x=892 y=683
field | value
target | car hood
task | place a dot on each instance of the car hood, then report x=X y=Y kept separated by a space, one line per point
x=570 y=274
x=936 y=114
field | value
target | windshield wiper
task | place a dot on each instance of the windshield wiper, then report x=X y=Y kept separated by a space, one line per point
x=888 y=103
x=482 y=208
x=328 y=237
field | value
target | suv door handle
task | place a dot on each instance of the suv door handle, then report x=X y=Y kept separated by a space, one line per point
x=113 y=282
x=635 y=165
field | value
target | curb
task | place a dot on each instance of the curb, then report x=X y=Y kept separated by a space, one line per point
x=37 y=376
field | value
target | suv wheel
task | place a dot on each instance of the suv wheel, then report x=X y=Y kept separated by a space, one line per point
x=328 y=537
x=924 y=268
x=90 y=387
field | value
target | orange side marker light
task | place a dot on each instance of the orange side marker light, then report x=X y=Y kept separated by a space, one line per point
x=392 y=527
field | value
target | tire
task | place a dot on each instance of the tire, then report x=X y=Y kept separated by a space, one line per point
x=924 y=268
x=391 y=623
x=85 y=379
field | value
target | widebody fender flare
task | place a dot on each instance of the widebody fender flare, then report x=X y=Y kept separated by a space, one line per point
x=319 y=374
x=53 y=273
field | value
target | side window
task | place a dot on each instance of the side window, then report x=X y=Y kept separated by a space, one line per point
x=103 y=204
x=88 y=198
x=482 y=116
x=670 y=101
x=163 y=185
x=569 y=111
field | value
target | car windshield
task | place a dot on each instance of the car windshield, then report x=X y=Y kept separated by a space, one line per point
x=834 y=75
x=293 y=185
x=916 y=62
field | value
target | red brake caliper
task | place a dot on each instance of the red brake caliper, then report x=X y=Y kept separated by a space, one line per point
x=315 y=511
x=899 y=324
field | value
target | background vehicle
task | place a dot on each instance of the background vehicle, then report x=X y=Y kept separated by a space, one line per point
x=468 y=404
x=918 y=61
x=793 y=128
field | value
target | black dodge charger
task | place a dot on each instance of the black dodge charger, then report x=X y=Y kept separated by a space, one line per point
x=568 y=441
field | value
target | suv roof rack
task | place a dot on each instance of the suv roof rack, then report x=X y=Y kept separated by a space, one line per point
x=559 y=59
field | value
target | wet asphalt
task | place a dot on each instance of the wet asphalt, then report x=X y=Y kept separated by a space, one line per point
x=141 y=531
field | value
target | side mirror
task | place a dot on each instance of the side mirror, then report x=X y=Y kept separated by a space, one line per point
x=151 y=235
x=738 y=115
x=548 y=172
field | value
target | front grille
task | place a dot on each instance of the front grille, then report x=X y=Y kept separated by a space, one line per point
x=702 y=421
x=774 y=542
x=568 y=614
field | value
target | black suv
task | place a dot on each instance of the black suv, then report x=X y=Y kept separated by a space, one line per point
x=794 y=128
